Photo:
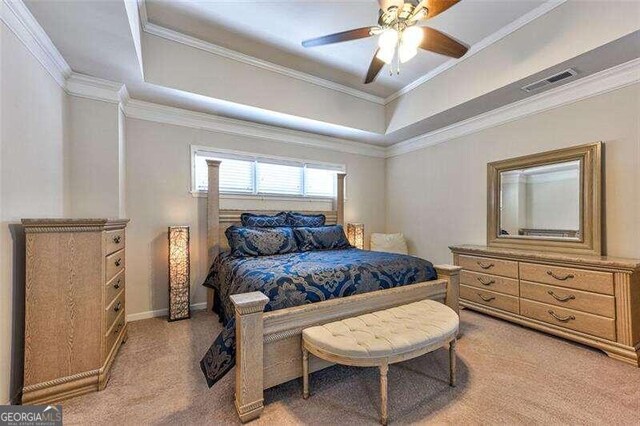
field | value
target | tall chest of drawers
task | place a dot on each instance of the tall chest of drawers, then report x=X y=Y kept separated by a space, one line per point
x=589 y=299
x=74 y=305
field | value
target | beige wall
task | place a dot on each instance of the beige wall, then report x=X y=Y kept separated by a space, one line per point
x=157 y=192
x=437 y=196
x=32 y=183
x=95 y=155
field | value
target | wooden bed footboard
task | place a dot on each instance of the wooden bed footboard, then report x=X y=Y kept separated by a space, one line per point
x=268 y=344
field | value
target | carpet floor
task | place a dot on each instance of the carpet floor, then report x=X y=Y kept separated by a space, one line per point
x=507 y=374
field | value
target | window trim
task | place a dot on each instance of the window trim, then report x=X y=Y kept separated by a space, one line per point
x=244 y=155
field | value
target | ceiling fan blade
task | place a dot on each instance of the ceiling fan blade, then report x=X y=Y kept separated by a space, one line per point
x=339 y=37
x=439 y=42
x=434 y=7
x=374 y=68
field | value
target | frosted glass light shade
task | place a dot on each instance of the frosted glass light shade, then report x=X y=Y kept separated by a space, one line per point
x=386 y=55
x=406 y=52
x=412 y=36
x=388 y=40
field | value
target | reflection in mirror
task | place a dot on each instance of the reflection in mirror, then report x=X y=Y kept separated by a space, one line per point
x=541 y=201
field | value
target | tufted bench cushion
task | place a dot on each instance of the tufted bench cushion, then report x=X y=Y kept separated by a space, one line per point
x=386 y=333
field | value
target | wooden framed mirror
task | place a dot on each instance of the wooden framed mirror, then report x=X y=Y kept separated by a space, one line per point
x=548 y=201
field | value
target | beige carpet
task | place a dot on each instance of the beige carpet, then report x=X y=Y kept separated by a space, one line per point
x=506 y=375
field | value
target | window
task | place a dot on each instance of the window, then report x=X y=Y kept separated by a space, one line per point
x=247 y=174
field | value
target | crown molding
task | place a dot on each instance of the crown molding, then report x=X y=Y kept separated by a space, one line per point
x=206 y=46
x=182 y=117
x=503 y=32
x=85 y=86
x=596 y=84
x=18 y=18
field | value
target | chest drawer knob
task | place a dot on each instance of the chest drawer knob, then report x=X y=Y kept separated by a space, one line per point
x=486 y=299
x=559 y=318
x=561 y=298
x=116 y=285
x=117 y=307
x=118 y=328
x=118 y=262
x=483 y=282
x=485 y=265
x=560 y=277
x=117 y=239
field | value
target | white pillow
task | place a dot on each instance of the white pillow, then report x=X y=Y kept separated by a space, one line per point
x=391 y=243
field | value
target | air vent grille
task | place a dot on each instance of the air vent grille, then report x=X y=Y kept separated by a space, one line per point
x=547 y=81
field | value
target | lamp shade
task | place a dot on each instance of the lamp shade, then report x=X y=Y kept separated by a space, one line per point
x=355 y=234
x=179 y=273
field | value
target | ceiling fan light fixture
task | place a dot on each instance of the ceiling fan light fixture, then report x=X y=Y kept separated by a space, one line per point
x=386 y=55
x=388 y=39
x=406 y=52
x=412 y=36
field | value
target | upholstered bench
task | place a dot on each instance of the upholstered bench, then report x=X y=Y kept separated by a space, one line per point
x=381 y=338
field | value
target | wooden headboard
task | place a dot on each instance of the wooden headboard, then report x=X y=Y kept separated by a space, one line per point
x=218 y=220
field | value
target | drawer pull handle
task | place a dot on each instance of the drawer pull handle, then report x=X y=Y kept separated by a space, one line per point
x=485 y=266
x=117 y=307
x=117 y=285
x=486 y=282
x=560 y=278
x=118 y=328
x=559 y=318
x=486 y=299
x=118 y=262
x=116 y=239
x=561 y=298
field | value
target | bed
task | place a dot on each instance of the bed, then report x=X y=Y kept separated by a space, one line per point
x=266 y=325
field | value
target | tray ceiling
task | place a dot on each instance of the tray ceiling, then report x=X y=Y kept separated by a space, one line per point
x=273 y=30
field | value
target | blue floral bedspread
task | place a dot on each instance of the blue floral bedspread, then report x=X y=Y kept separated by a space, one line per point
x=295 y=279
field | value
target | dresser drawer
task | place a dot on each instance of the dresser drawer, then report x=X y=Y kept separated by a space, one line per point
x=505 y=268
x=114 y=287
x=114 y=332
x=569 y=318
x=490 y=282
x=114 y=263
x=593 y=303
x=114 y=309
x=114 y=240
x=489 y=298
x=579 y=279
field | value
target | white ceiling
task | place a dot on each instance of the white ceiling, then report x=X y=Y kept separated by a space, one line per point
x=273 y=30
x=98 y=38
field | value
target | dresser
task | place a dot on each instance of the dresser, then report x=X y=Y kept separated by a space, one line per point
x=594 y=300
x=74 y=305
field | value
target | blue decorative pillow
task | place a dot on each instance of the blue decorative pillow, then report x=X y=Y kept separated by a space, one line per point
x=260 y=241
x=321 y=238
x=308 y=220
x=263 y=220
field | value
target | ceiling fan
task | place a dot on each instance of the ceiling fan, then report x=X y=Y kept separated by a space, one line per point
x=399 y=36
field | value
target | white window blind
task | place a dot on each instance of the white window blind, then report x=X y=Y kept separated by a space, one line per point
x=236 y=176
x=281 y=179
x=320 y=182
x=242 y=173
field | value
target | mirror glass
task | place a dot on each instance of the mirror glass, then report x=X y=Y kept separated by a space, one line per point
x=541 y=202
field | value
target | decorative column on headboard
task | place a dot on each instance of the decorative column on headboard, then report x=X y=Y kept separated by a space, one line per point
x=213 y=218
x=213 y=210
x=340 y=198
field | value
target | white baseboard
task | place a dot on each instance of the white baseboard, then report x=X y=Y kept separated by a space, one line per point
x=161 y=312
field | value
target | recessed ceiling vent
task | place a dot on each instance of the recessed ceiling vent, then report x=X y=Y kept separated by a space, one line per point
x=552 y=79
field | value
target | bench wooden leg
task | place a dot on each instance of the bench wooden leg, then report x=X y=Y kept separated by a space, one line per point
x=305 y=373
x=384 y=368
x=452 y=363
